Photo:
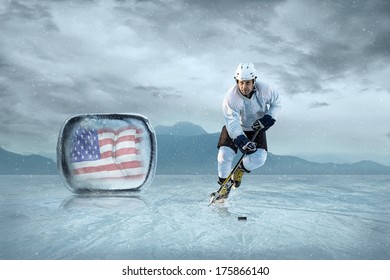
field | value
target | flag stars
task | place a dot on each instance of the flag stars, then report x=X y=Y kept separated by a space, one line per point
x=85 y=145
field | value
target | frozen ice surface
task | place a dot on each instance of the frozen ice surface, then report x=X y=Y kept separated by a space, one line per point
x=288 y=217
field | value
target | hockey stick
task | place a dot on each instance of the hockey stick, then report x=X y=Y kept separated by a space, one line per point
x=224 y=183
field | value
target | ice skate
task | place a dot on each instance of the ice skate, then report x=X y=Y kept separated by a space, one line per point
x=237 y=176
x=222 y=193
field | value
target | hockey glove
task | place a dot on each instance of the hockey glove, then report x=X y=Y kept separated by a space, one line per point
x=245 y=145
x=267 y=121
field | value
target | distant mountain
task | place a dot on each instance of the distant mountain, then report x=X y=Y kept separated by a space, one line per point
x=186 y=148
x=197 y=154
x=180 y=129
x=15 y=164
x=277 y=164
x=187 y=154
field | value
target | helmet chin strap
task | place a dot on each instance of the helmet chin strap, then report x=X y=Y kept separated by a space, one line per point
x=252 y=92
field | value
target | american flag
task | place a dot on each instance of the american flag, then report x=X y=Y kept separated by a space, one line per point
x=106 y=153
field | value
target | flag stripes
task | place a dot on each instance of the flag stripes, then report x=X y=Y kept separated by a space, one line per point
x=107 y=154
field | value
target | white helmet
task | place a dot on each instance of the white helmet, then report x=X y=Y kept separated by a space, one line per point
x=245 y=72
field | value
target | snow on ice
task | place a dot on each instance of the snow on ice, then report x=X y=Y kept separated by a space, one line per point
x=288 y=217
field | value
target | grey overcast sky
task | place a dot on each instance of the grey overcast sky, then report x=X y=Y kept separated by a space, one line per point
x=174 y=60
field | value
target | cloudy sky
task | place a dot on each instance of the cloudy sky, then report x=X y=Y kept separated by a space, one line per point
x=174 y=60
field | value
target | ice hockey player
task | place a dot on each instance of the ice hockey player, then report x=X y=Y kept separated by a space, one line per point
x=249 y=105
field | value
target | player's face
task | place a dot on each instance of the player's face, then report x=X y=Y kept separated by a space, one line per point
x=245 y=87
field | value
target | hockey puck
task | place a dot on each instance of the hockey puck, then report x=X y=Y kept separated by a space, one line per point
x=241 y=218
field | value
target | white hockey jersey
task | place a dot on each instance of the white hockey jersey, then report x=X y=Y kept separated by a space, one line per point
x=241 y=112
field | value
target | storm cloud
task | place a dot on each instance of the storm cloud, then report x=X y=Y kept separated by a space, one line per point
x=174 y=60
